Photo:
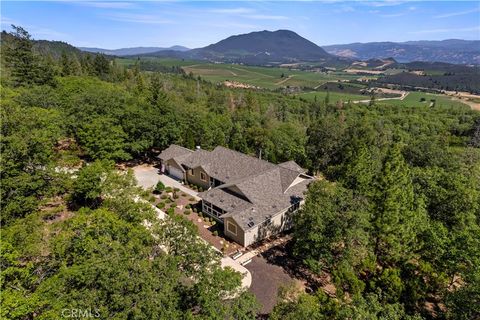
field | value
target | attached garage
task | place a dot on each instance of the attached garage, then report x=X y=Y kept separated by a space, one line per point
x=175 y=172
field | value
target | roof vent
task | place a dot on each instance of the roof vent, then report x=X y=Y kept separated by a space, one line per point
x=250 y=224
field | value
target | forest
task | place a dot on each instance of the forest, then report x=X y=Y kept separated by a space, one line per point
x=394 y=217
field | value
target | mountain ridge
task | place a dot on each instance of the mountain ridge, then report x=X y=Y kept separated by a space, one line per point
x=132 y=50
x=455 y=51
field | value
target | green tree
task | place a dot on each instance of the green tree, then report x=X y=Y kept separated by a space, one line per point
x=399 y=216
x=102 y=139
x=19 y=57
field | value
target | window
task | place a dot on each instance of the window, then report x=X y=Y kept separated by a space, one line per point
x=231 y=228
x=203 y=176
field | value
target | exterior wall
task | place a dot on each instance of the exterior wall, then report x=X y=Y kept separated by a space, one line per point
x=196 y=180
x=239 y=237
x=281 y=222
x=172 y=163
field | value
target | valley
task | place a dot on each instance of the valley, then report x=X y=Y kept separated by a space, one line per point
x=355 y=83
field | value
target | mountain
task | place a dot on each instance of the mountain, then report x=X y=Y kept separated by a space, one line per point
x=450 y=51
x=259 y=48
x=133 y=51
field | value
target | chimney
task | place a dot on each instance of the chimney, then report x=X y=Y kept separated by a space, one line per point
x=197 y=148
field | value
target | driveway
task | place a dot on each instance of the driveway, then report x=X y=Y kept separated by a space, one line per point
x=148 y=176
x=267 y=278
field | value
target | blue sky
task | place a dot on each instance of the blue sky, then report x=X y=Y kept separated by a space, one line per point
x=116 y=24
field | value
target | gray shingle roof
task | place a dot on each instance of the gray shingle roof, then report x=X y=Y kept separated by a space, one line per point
x=174 y=152
x=292 y=165
x=253 y=189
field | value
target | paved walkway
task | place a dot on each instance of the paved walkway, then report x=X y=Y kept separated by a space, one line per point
x=176 y=184
x=148 y=176
x=255 y=252
x=247 y=276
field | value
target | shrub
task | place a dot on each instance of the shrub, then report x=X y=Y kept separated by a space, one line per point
x=151 y=199
x=187 y=206
x=195 y=209
x=170 y=211
x=176 y=189
x=168 y=189
x=168 y=200
x=200 y=189
x=175 y=196
x=187 y=212
x=159 y=187
x=163 y=196
x=191 y=199
x=183 y=194
x=215 y=233
x=161 y=205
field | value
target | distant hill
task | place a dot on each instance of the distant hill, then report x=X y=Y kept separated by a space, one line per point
x=132 y=51
x=46 y=47
x=450 y=51
x=259 y=48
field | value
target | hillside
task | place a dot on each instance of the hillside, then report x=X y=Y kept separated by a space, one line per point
x=132 y=51
x=451 y=51
x=259 y=48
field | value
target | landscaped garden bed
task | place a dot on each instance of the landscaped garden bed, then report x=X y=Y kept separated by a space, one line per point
x=174 y=201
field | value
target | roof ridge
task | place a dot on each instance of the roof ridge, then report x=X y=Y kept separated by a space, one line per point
x=244 y=154
x=176 y=145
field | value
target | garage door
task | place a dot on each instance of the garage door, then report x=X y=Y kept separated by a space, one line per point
x=175 y=173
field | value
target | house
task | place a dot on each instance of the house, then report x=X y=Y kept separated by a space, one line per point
x=252 y=198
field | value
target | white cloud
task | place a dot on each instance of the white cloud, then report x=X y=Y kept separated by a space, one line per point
x=459 y=13
x=385 y=3
x=235 y=25
x=392 y=15
x=264 y=17
x=137 y=18
x=345 y=8
x=106 y=4
x=446 y=30
x=232 y=11
x=36 y=31
x=7 y=21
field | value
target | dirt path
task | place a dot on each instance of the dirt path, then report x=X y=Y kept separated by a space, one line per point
x=403 y=96
x=284 y=80
x=464 y=97
x=250 y=71
x=473 y=105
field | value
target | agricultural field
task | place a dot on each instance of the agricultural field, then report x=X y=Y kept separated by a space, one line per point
x=333 y=96
x=418 y=99
x=263 y=77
